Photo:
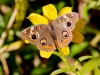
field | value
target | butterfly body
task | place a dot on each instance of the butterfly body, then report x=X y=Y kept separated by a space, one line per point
x=59 y=30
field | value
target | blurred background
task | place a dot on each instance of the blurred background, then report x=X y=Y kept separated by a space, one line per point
x=18 y=58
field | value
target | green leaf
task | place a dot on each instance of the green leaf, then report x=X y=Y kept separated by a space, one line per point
x=22 y=6
x=40 y=70
x=72 y=3
x=2 y=23
x=85 y=12
x=38 y=10
x=96 y=71
x=98 y=3
x=90 y=29
x=88 y=66
x=60 y=5
x=6 y=54
x=7 y=16
x=94 y=52
x=98 y=61
x=1 y=70
x=59 y=71
x=28 y=56
x=16 y=73
x=82 y=59
x=57 y=53
x=6 y=1
x=92 y=4
x=77 y=48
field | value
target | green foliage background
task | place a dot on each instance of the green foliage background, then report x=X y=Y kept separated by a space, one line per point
x=18 y=58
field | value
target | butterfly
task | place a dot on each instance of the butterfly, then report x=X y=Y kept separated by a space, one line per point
x=58 y=32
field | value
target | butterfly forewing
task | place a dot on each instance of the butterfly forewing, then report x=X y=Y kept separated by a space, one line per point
x=67 y=21
x=40 y=36
x=62 y=28
x=32 y=33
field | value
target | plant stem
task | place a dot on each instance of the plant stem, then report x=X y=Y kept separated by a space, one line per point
x=68 y=66
x=9 y=25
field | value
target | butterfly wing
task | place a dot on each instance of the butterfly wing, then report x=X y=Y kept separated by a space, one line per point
x=62 y=27
x=63 y=36
x=67 y=20
x=46 y=40
x=39 y=35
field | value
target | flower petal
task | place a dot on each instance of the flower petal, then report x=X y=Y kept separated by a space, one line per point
x=79 y=24
x=77 y=36
x=26 y=41
x=37 y=19
x=65 y=10
x=45 y=54
x=64 y=50
x=50 y=12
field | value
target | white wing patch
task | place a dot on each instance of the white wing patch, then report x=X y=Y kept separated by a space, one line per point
x=64 y=24
x=32 y=28
x=66 y=17
x=37 y=34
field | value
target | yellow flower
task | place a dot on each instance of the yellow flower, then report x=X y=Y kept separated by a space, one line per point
x=50 y=14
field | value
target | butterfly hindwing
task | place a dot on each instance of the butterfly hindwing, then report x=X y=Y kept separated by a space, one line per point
x=63 y=36
x=46 y=40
